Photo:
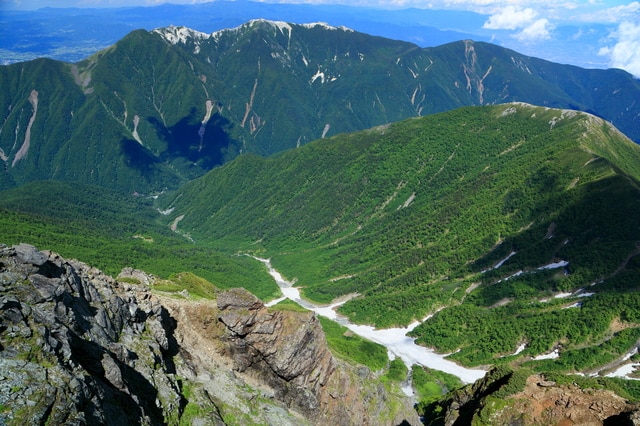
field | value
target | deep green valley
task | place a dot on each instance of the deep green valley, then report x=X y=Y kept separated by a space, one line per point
x=512 y=226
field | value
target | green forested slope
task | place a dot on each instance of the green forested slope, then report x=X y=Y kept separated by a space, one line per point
x=111 y=231
x=415 y=217
x=159 y=108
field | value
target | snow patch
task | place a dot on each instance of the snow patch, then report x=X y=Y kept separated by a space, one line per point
x=394 y=339
x=282 y=26
x=500 y=263
x=407 y=388
x=625 y=371
x=519 y=349
x=517 y=274
x=166 y=212
x=318 y=75
x=175 y=35
x=326 y=26
x=521 y=65
x=554 y=265
x=325 y=130
x=551 y=355
x=407 y=202
x=275 y=301
x=630 y=354
x=562 y=295
x=24 y=149
x=134 y=133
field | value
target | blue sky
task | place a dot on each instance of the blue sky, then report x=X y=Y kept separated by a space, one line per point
x=504 y=12
x=526 y=22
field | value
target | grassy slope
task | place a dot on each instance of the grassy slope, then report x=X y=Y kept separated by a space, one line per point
x=110 y=231
x=410 y=214
x=407 y=215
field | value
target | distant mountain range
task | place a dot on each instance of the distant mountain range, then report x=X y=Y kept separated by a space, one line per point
x=159 y=108
x=71 y=34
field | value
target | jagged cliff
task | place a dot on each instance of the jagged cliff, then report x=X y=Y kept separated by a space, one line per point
x=78 y=347
x=288 y=351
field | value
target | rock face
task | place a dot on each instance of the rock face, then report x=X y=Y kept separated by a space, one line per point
x=78 y=347
x=497 y=399
x=288 y=350
x=291 y=348
x=544 y=403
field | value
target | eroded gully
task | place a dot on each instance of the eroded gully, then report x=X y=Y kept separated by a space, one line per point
x=396 y=341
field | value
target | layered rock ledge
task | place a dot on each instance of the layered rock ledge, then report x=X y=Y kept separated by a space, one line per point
x=288 y=350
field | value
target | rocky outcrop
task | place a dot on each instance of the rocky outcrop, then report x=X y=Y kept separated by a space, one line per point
x=545 y=402
x=77 y=347
x=288 y=350
x=508 y=397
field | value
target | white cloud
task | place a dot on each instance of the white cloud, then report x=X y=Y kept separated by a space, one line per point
x=510 y=18
x=625 y=53
x=617 y=14
x=515 y=18
x=538 y=30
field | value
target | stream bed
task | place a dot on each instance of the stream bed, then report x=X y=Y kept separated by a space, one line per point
x=396 y=341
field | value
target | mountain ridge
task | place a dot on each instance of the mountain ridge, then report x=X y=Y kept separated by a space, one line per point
x=482 y=212
x=146 y=114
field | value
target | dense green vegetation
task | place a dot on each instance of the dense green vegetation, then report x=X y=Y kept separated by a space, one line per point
x=353 y=347
x=194 y=286
x=456 y=214
x=397 y=371
x=111 y=231
x=480 y=216
x=432 y=384
x=288 y=305
x=131 y=116
x=416 y=215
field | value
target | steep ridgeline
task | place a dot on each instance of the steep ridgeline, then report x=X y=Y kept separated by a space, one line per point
x=78 y=347
x=492 y=218
x=161 y=107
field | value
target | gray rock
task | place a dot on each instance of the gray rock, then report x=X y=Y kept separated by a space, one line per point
x=30 y=255
x=80 y=348
x=69 y=323
x=288 y=350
